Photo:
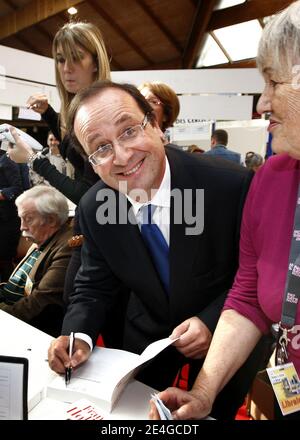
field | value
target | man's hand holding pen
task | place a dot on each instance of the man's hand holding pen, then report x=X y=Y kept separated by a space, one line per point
x=68 y=370
x=59 y=354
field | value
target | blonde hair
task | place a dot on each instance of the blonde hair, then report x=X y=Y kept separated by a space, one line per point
x=88 y=37
x=280 y=40
x=169 y=99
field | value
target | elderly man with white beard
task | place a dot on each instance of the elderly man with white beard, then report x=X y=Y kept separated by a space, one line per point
x=34 y=291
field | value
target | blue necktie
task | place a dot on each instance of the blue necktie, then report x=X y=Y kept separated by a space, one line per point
x=156 y=245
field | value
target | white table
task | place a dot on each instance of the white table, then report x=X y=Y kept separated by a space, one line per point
x=133 y=405
x=20 y=339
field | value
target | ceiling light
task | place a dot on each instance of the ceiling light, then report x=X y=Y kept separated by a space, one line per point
x=72 y=11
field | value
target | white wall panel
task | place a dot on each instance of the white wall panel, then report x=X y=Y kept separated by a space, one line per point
x=198 y=80
x=203 y=91
x=246 y=136
x=214 y=107
x=16 y=93
x=25 y=65
x=6 y=112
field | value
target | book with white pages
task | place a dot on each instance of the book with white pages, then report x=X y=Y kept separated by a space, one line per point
x=103 y=377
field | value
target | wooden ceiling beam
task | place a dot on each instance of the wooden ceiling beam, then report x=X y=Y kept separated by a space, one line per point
x=157 y=21
x=166 y=65
x=31 y=14
x=115 y=65
x=95 y=4
x=10 y=3
x=28 y=44
x=213 y=35
x=250 y=10
x=243 y=64
x=46 y=34
x=201 y=19
x=63 y=18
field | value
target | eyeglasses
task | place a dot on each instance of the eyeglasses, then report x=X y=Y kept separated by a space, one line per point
x=126 y=140
x=154 y=101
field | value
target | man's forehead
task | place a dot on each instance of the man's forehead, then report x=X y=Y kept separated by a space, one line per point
x=26 y=214
x=109 y=108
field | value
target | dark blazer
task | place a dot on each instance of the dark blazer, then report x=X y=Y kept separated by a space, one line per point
x=202 y=267
x=224 y=153
x=11 y=187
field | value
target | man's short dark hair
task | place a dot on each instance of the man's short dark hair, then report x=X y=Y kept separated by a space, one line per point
x=95 y=89
x=221 y=137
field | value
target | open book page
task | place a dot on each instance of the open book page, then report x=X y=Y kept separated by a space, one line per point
x=104 y=376
x=153 y=349
x=106 y=363
x=96 y=378
x=149 y=353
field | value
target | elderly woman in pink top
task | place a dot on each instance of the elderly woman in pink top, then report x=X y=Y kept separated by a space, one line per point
x=266 y=289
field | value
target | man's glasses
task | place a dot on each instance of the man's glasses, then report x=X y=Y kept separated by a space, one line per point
x=126 y=140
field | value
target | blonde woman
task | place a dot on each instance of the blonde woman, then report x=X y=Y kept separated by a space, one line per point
x=80 y=59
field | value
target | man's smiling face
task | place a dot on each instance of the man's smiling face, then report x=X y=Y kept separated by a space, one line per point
x=101 y=120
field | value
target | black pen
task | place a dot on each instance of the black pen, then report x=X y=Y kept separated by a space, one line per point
x=68 y=370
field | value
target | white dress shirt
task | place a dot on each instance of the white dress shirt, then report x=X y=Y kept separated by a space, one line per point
x=162 y=202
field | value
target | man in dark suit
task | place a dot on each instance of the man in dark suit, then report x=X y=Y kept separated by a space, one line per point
x=119 y=132
x=219 y=141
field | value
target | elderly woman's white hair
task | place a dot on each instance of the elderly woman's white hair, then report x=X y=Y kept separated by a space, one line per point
x=279 y=46
x=48 y=201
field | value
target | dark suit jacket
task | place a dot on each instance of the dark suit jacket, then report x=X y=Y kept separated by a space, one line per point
x=11 y=187
x=202 y=267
